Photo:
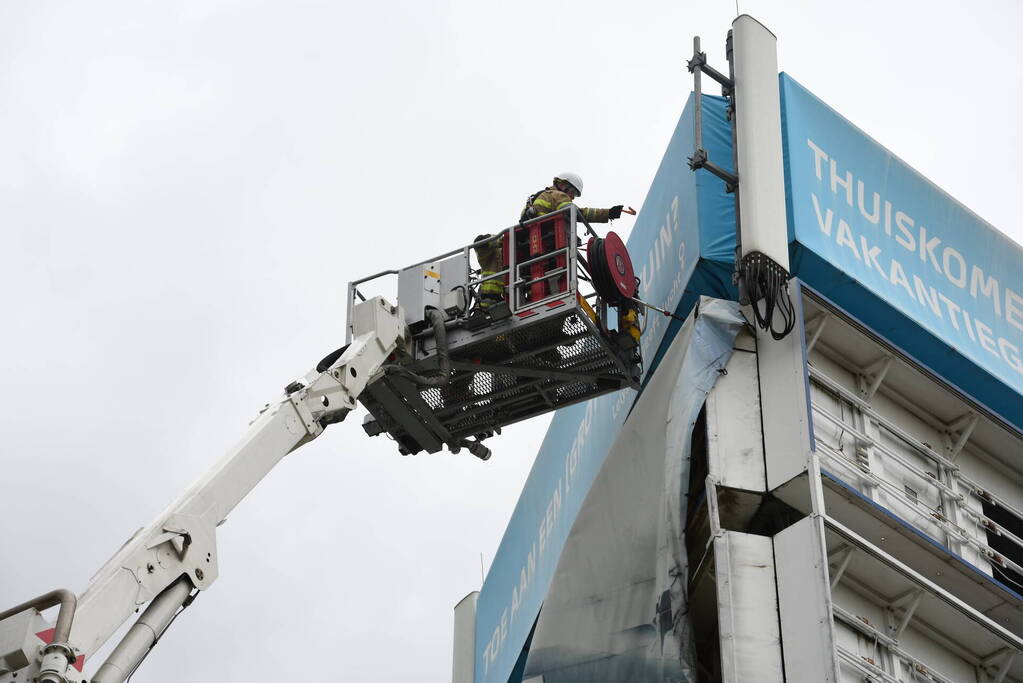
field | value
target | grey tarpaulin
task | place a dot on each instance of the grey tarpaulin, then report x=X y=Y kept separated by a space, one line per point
x=617 y=607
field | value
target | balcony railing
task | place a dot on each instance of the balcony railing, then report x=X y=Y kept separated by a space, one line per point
x=946 y=484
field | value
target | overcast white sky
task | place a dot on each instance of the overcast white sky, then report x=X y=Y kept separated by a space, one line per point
x=186 y=187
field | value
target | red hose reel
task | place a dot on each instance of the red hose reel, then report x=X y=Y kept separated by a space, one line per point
x=611 y=269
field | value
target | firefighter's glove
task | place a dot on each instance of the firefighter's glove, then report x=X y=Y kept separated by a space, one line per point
x=615 y=212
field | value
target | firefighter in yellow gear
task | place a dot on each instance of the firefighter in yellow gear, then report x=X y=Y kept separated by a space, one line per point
x=566 y=187
x=491 y=258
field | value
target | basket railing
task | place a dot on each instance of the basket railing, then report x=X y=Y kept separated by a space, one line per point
x=519 y=300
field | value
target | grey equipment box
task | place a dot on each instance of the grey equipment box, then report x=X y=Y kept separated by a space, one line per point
x=438 y=284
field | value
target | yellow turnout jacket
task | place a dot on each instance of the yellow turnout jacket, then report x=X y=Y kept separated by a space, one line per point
x=553 y=199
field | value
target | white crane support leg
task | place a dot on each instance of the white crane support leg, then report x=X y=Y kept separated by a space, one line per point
x=164 y=561
x=144 y=633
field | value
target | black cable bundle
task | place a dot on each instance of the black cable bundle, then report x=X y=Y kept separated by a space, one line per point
x=767 y=280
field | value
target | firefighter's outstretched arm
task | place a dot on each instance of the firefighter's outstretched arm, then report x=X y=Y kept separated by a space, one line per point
x=167 y=562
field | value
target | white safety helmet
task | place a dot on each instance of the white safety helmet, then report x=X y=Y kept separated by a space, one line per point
x=572 y=179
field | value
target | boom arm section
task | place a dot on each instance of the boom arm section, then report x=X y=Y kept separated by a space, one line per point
x=163 y=563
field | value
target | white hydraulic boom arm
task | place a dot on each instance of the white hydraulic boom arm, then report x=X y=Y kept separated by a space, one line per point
x=164 y=563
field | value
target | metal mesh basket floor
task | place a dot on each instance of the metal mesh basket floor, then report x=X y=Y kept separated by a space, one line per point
x=509 y=376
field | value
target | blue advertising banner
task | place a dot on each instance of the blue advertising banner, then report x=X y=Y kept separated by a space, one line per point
x=866 y=231
x=665 y=248
x=870 y=222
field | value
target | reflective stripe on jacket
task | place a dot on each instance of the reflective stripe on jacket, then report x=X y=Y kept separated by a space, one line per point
x=553 y=199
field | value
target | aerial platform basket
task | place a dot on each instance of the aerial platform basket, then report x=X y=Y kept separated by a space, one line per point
x=545 y=345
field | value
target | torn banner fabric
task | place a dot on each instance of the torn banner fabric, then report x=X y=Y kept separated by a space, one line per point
x=617 y=607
